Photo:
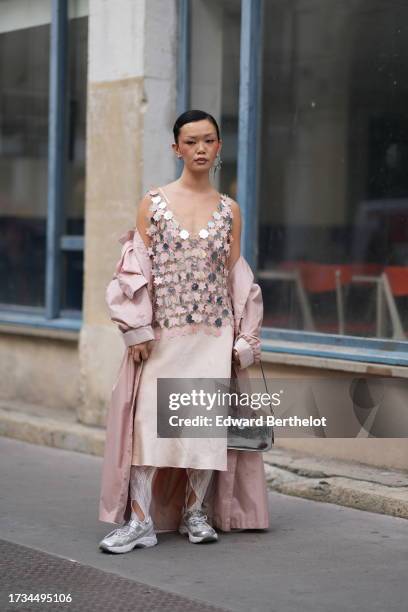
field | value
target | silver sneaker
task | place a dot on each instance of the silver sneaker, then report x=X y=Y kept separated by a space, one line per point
x=131 y=535
x=194 y=523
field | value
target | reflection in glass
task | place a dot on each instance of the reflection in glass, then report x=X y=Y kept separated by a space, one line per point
x=75 y=172
x=215 y=44
x=72 y=261
x=333 y=252
x=24 y=68
x=72 y=281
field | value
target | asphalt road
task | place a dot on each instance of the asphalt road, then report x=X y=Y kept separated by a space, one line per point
x=315 y=557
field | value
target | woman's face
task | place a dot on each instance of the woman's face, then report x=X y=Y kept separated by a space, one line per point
x=198 y=145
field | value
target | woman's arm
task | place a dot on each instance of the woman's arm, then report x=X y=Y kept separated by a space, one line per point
x=127 y=294
x=143 y=215
x=141 y=351
x=235 y=251
x=247 y=343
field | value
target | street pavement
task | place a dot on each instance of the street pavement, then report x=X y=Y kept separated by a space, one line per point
x=315 y=557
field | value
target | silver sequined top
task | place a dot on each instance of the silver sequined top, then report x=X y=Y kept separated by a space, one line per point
x=189 y=272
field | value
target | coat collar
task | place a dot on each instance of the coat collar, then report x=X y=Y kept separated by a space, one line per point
x=133 y=240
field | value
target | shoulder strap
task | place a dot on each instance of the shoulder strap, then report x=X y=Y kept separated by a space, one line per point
x=227 y=203
x=266 y=386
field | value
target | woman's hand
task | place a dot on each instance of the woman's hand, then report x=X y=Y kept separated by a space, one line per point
x=235 y=357
x=141 y=352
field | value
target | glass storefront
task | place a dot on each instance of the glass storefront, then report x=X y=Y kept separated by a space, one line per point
x=24 y=87
x=24 y=141
x=333 y=193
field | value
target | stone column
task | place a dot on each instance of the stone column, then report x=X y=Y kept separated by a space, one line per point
x=131 y=109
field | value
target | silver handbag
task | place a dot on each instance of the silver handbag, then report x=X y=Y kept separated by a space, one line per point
x=258 y=438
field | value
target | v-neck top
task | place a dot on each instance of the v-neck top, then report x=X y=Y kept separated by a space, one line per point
x=203 y=232
x=190 y=272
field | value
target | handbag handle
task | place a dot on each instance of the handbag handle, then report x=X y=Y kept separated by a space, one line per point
x=266 y=387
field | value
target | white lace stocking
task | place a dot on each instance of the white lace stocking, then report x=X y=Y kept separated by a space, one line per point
x=141 y=478
x=197 y=481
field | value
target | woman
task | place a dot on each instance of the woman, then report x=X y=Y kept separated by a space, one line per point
x=192 y=235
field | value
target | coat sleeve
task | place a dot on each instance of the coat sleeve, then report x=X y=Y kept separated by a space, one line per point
x=248 y=342
x=128 y=300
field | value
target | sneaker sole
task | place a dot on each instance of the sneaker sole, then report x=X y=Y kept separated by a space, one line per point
x=198 y=539
x=143 y=543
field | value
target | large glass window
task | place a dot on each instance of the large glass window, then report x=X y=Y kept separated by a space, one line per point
x=333 y=197
x=214 y=77
x=25 y=128
x=24 y=86
x=72 y=262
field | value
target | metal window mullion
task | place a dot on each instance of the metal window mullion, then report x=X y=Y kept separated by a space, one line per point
x=56 y=154
x=183 y=64
x=183 y=59
x=248 y=125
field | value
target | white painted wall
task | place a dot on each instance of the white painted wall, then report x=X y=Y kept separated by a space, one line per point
x=20 y=14
x=138 y=39
x=160 y=85
x=116 y=39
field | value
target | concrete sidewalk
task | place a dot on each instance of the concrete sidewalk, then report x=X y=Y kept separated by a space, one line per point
x=320 y=479
x=315 y=556
x=339 y=482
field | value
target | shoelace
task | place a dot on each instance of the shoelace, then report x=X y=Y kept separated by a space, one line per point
x=197 y=519
x=122 y=530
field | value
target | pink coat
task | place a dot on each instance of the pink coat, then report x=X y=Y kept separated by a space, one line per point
x=238 y=496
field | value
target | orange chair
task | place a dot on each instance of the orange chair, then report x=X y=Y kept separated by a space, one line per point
x=315 y=278
x=392 y=282
x=321 y=278
x=288 y=271
x=395 y=284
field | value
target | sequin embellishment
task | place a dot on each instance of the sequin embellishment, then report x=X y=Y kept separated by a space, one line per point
x=189 y=272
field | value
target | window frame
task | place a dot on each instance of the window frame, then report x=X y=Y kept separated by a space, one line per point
x=273 y=340
x=51 y=315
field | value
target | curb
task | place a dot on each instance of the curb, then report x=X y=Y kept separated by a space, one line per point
x=338 y=482
x=54 y=432
x=353 y=485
